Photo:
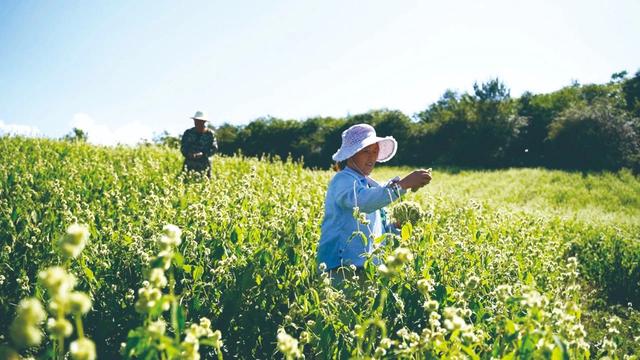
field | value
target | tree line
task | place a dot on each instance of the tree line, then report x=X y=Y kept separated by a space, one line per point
x=579 y=127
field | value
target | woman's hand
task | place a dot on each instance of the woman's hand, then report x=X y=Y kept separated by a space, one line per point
x=416 y=180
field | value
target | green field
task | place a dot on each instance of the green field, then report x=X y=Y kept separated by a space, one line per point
x=517 y=263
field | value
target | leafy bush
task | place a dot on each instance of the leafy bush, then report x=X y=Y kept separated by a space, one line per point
x=596 y=136
x=611 y=261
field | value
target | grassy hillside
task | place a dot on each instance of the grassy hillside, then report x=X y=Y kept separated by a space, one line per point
x=514 y=263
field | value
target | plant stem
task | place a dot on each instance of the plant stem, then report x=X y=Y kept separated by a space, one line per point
x=174 y=307
x=79 y=328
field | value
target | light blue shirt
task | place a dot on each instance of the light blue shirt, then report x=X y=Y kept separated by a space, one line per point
x=338 y=246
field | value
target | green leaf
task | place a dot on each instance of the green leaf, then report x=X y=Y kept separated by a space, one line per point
x=181 y=319
x=380 y=239
x=510 y=327
x=207 y=342
x=557 y=354
x=89 y=273
x=529 y=280
x=178 y=259
x=469 y=351
x=186 y=268
x=197 y=272
x=407 y=229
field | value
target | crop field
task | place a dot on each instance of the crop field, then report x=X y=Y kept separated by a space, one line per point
x=116 y=253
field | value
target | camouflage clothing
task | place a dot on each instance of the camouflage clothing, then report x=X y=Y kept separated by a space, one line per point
x=193 y=142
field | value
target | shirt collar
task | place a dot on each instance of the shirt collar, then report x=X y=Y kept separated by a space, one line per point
x=359 y=176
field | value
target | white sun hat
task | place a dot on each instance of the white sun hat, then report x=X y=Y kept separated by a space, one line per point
x=358 y=137
x=200 y=116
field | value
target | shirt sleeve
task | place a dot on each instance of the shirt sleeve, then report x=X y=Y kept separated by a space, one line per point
x=212 y=146
x=184 y=144
x=352 y=193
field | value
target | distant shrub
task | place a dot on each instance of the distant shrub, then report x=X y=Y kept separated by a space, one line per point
x=597 y=136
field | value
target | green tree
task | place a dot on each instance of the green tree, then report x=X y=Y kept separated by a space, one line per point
x=539 y=110
x=76 y=134
x=631 y=90
x=228 y=137
x=596 y=136
x=168 y=140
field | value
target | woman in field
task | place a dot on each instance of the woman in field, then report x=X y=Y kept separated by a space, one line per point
x=355 y=202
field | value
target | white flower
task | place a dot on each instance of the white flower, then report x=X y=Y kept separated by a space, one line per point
x=288 y=345
x=455 y=323
x=59 y=328
x=82 y=349
x=25 y=335
x=171 y=236
x=148 y=298
x=74 y=240
x=216 y=338
x=157 y=278
x=379 y=353
x=425 y=286
x=533 y=299
x=190 y=349
x=172 y=231
x=57 y=280
x=24 y=329
x=31 y=311
x=403 y=255
x=205 y=323
x=79 y=302
x=386 y=343
x=157 y=327
x=473 y=282
x=431 y=305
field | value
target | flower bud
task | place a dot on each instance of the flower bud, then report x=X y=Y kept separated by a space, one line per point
x=79 y=302
x=157 y=278
x=82 y=349
x=31 y=311
x=56 y=280
x=59 y=328
x=25 y=335
x=74 y=240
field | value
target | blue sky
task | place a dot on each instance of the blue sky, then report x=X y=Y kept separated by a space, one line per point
x=123 y=70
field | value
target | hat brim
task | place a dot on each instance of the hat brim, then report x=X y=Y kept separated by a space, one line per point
x=201 y=119
x=388 y=147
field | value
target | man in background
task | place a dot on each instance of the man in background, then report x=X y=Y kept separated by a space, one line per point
x=198 y=144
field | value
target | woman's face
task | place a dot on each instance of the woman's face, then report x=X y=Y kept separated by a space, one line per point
x=365 y=159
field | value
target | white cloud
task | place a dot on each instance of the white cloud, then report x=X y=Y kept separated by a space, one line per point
x=102 y=134
x=18 y=129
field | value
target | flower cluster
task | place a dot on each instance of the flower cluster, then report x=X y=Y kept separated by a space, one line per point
x=169 y=241
x=152 y=302
x=288 y=345
x=25 y=329
x=394 y=263
x=381 y=349
x=148 y=298
x=63 y=300
x=150 y=294
x=194 y=333
x=407 y=212
x=74 y=240
x=360 y=216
